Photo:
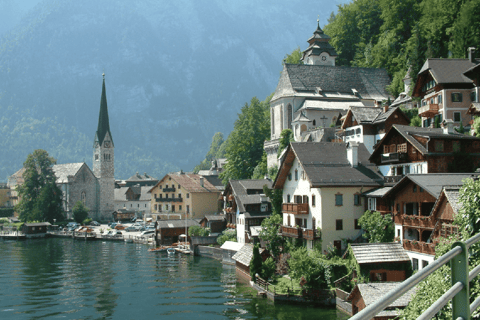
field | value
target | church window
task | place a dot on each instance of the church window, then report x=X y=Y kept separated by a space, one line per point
x=289 y=116
x=96 y=157
x=84 y=197
x=281 y=119
x=314 y=123
x=273 y=121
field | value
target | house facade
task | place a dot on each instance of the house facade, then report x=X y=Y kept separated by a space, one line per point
x=135 y=198
x=322 y=185
x=406 y=149
x=246 y=206
x=178 y=194
x=445 y=91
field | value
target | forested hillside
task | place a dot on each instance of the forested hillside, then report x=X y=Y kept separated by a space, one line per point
x=396 y=34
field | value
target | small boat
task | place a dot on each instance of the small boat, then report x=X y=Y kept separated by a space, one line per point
x=161 y=248
x=171 y=251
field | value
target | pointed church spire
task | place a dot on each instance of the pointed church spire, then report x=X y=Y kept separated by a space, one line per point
x=103 y=122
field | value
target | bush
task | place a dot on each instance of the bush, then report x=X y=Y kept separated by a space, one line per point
x=87 y=221
x=6 y=212
x=197 y=231
x=227 y=235
x=268 y=268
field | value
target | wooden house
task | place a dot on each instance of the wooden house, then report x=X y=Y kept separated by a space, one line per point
x=242 y=260
x=368 y=125
x=216 y=223
x=414 y=150
x=379 y=262
x=365 y=294
x=246 y=206
x=445 y=90
x=35 y=230
x=167 y=231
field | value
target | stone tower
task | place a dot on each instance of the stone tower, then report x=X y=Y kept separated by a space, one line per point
x=104 y=161
x=319 y=51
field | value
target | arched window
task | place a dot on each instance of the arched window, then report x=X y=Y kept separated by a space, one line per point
x=281 y=118
x=83 y=197
x=314 y=123
x=288 y=198
x=289 y=116
x=273 y=122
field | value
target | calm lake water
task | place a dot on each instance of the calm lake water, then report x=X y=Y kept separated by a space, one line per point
x=66 y=279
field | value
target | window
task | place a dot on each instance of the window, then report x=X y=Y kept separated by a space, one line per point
x=166 y=187
x=173 y=208
x=456 y=146
x=305 y=199
x=180 y=196
x=96 y=157
x=432 y=101
x=339 y=199
x=188 y=195
x=290 y=177
x=188 y=208
x=414 y=264
x=356 y=200
x=473 y=96
x=155 y=206
x=303 y=175
x=296 y=175
x=372 y=204
x=288 y=220
x=84 y=197
x=439 y=98
x=313 y=200
x=424 y=263
x=402 y=148
x=264 y=207
x=161 y=196
x=439 y=145
x=415 y=188
x=339 y=224
x=421 y=189
x=456 y=97
x=457 y=116
x=357 y=226
x=314 y=122
x=178 y=186
x=166 y=196
x=288 y=198
x=180 y=208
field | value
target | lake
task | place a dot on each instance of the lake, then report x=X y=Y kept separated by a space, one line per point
x=66 y=279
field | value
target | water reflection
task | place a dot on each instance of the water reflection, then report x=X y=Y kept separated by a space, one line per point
x=52 y=278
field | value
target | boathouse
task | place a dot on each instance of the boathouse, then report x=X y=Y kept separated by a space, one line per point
x=35 y=230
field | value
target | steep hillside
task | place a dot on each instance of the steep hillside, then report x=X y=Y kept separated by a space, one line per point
x=176 y=73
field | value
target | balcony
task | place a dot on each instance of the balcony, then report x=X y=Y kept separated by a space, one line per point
x=169 y=199
x=393 y=179
x=419 y=246
x=393 y=157
x=418 y=221
x=428 y=110
x=292 y=232
x=295 y=208
x=309 y=234
x=172 y=189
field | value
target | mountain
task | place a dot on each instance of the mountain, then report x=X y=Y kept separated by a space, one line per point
x=176 y=72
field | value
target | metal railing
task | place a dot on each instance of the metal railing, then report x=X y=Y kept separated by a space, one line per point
x=458 y=293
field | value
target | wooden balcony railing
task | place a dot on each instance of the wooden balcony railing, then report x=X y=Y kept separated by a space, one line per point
x=295 y=208
x=172 y=189
x=292 y=232
x=169 y=199
x=419 y=246
x=428 y=110
x=393 y=157
x=418 y=221
x=310 y=234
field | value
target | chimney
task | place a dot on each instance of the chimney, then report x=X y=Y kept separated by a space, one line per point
x=471 y=54
x=352 y=153
x=448 y=126
x=385 y=107
x=201 y=181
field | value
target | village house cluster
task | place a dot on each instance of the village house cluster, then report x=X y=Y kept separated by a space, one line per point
x=352 y=152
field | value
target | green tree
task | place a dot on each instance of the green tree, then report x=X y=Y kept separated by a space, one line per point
x=294 y=57
x=310 y=266
x=270 y=233
x=476 y=126
x=198 y=231
x=227 y=235
x=286 y=136
x=215 y=152
x=256 y=263
x=268 y=268
x=80 y=212
x=244 y=147
x=378 y=228
x=41 y=199
x=465 y=29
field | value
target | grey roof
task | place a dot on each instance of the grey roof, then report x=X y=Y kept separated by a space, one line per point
x=448 y=70
x=242 y=188
x=433 y=183
x=62 y=171
x=301 y=118
x=453 y=194
x=402 y=98
x=371 y=114
x=379 y=252
x=216 y=217
x=37 y=224
x=326 y=164
x=310 y=104
x=370 y=83
x=144 y=195
x=139 y=177
x=377 y=193
x=120 y=194
x=373 y=291
x=245 y=254
x=180 y=223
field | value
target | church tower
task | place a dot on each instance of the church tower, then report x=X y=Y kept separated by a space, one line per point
x=104 y=160
x=319 y=51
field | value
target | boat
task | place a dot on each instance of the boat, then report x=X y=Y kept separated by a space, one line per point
x=171 y=250
x=161 y=248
